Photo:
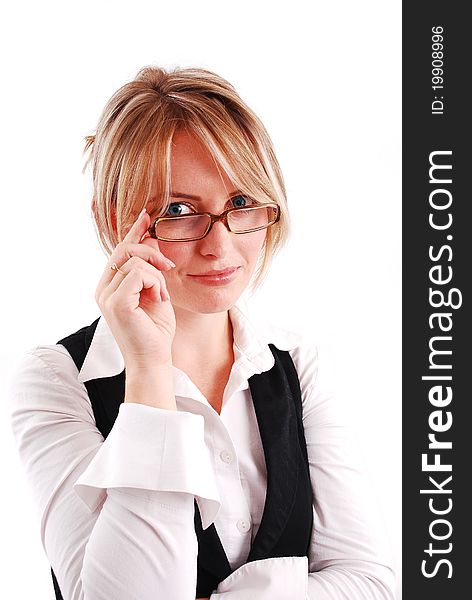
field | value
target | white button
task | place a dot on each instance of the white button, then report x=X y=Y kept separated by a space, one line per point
x=243 y=525
x=226 y=456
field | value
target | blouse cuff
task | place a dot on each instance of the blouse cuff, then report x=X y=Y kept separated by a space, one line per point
x=269 y=579
x=153 y=449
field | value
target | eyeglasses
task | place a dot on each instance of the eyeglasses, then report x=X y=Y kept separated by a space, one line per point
x=195 y=226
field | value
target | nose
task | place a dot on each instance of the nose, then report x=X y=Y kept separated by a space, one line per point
x=217 y=241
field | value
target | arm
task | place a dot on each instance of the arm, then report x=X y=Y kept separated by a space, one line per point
x=348 y=555
x=116 y=515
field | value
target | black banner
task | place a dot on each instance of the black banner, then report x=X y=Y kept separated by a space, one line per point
x=436 y=299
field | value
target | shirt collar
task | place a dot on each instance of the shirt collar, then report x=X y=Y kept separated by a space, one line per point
x=251 y=344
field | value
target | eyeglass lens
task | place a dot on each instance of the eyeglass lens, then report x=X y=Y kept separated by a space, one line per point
x=195 y=226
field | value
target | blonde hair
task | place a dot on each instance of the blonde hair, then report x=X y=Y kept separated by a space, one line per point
x=131 y=149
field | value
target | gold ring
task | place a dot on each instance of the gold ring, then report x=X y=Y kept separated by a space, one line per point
x=114 y=267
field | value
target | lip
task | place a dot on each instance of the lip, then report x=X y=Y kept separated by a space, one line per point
x=215 y=277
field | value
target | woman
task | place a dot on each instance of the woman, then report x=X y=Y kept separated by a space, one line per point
x=176 y=449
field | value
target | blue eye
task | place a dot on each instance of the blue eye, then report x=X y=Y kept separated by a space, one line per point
x=239 y=201
x=177 y=208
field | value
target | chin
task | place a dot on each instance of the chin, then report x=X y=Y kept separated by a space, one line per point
x=211 y=301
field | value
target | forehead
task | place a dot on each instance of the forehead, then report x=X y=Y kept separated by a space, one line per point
x=193 y=165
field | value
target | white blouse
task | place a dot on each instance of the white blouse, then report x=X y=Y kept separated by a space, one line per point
x=117 y=515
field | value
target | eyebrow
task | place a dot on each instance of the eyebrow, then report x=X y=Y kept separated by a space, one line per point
x=198 y=198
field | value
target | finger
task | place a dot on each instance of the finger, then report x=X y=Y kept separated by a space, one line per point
x=128 y=294
x=150 y=241
x=139 y=228
x=133 y=264
x=135 y=234
x=160 y=258
x=153 y=243
x=124 y=252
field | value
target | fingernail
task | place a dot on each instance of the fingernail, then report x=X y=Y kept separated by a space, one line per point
x=170 y=263
x=141 y=213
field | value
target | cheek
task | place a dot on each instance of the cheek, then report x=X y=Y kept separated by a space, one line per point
x=252 y=245
x=177 y=252
x=182 y=255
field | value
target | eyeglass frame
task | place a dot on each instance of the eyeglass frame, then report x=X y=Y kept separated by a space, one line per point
x=223 y=217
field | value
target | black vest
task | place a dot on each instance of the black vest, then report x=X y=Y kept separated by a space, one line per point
x=287 y=520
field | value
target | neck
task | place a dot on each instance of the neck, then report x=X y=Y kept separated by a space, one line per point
x=201 y=338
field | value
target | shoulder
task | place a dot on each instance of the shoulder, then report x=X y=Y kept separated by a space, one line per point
x=314 y=366
x=305 y=356
x=322 y=405
x=52 y=362
x=301 y=347
x=45 y=378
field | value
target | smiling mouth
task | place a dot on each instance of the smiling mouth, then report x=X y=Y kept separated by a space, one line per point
x=216 y=273
x=216 y=277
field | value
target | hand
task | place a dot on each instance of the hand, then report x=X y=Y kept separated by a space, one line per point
x=136 y=303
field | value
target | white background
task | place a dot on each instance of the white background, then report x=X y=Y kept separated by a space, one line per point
x=325 y=79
